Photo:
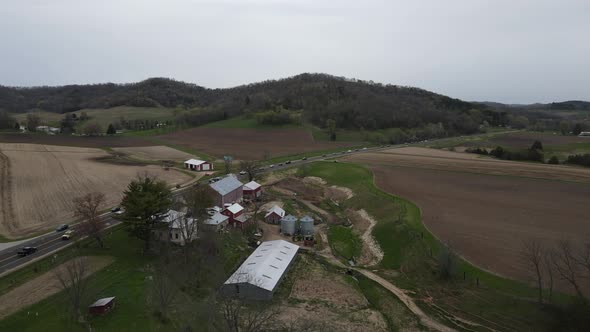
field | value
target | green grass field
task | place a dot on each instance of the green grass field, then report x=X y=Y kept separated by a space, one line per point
x=47 y=118
x=345 y=242
x=126 y=278
x=408 y=246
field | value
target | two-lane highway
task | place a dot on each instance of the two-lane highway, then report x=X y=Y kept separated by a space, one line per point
x=52 y=242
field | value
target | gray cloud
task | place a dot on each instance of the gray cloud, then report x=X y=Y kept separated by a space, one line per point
x=509 y=51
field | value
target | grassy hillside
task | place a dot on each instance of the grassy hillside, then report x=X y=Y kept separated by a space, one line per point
x=411 y=249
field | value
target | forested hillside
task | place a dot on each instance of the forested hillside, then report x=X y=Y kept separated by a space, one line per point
x=316 y=97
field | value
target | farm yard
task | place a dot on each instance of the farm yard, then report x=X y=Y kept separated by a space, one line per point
x=40 y=181
x=486 y=208
x=244 y=143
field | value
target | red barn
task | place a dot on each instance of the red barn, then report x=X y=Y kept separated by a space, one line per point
x=236 y=215
x=252 y=190
x=102 y=306
x=198 y=165
x=274 y=215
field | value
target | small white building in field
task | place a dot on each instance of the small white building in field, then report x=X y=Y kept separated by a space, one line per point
x=198 y=165
x=261 y=273
x=177 y=228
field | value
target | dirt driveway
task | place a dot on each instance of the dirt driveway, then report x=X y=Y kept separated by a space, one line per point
x=43 y=286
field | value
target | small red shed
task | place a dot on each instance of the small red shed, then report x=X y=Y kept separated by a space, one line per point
x=102 y=306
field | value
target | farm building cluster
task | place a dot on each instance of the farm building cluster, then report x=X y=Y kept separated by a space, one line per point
x=235 y=206
x=228 y=194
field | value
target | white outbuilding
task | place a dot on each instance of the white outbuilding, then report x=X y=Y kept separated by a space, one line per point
x=198 y=165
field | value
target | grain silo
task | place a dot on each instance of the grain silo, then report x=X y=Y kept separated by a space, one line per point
x=306 y=224
x=288 y=225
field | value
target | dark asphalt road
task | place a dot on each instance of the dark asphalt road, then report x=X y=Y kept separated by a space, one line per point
x=52 y=242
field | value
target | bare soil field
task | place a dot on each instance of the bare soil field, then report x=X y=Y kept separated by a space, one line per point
x=77 y=141
x=249 y=144
x=41 y=182
x=463 y=162
x=328 y=302
x=487 y=217
x=154 y=153
x=43 y=286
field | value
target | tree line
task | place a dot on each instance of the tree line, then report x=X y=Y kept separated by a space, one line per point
x=318 y=97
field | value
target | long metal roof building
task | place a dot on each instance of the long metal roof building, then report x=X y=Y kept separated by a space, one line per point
x=260 y=274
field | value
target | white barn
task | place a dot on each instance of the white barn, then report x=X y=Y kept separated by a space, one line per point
x=198 y=165
x=261 y=273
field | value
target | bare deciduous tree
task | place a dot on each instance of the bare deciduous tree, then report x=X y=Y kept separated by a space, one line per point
x=447 y=261
x=243 y=315
x=164 y=290
x=72 y=280
x=565 y=264
x=549 y=272
x=532 y=254
x=251 y=167
x=87 y=208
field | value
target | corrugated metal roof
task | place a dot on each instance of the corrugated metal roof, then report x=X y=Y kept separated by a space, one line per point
x=216 y=219
x=101 y=302
x=306 y=218
x=265 y=267
x=252 y=185
x=226 y=185
x=289 y=218
x=195 y=162
x=276 y=209
x=235 y=208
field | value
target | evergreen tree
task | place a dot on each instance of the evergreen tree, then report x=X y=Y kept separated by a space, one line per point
x=111 y=130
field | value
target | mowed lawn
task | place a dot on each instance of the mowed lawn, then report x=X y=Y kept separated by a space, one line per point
x=408 y=247
x=128 y=278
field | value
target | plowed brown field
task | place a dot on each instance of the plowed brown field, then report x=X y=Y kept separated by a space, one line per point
x=39 y=182
x=484 y=207
x=249 y=143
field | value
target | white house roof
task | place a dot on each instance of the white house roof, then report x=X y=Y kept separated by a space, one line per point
x=195 y=162
x=235 y=208
x=226 y=185
x=173 y=219
x=101 y=302
x=267 y=264
x=252 y=185
x=276 y=209
x=216 y=219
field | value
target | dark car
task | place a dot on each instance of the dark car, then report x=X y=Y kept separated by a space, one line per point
x=288 y=162
x=61 y=228
x=116 y=209
x=305 y=158
x=25 y=251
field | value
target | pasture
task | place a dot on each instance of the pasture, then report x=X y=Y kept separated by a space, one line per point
x=486 y=208
x=40 y=181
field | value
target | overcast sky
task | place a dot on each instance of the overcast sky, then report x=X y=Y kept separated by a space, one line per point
x=512 y=51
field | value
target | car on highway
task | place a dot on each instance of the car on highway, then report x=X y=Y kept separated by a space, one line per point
x=272 y=166
x=305 y=158
x=116 y=209
x=324 y=155
x=280 y=164
x=287 y=162
x=242 y=172
x=67 y=235
x=26 y=251
x=62 y=228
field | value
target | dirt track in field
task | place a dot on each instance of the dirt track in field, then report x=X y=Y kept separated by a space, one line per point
x=249 y=143
x=44 y=179
x=43 y=286
x=484 y=216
